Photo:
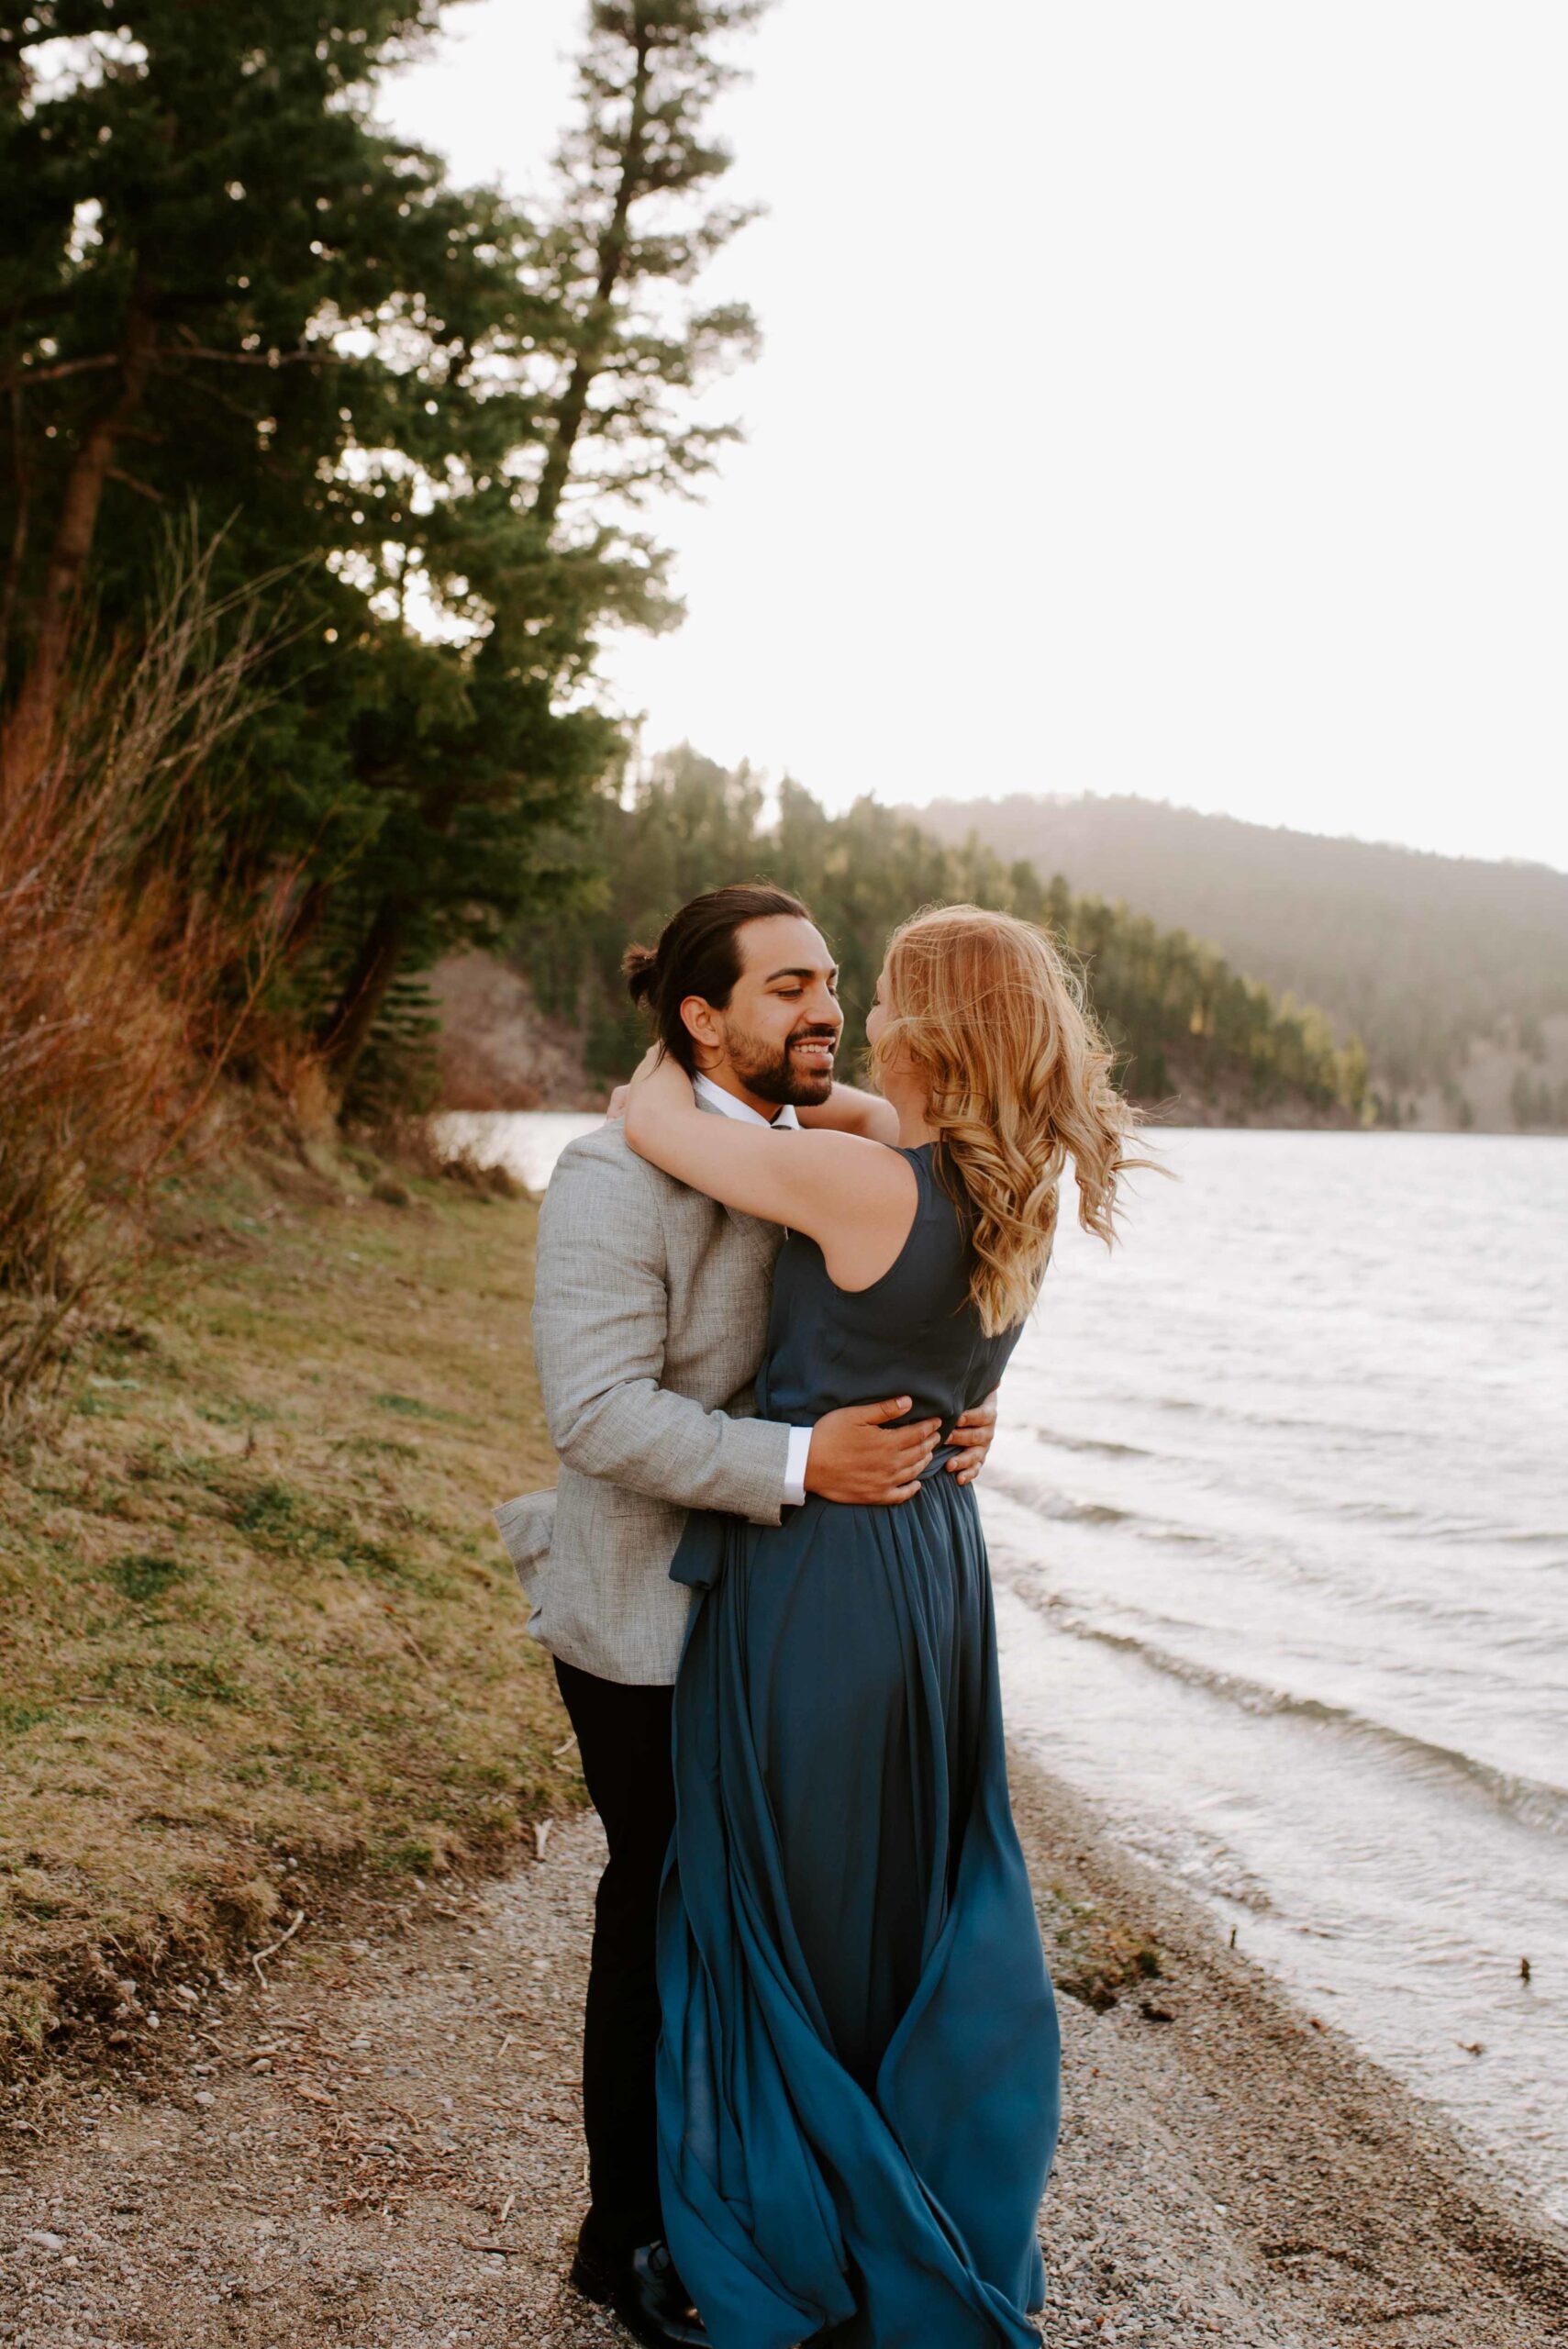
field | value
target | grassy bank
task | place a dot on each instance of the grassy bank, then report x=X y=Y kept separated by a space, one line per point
x=257 y=1637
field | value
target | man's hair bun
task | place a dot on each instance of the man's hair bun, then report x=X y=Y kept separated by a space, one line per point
x=640 y=968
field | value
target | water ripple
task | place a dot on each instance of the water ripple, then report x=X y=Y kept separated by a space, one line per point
x=1534 y=1802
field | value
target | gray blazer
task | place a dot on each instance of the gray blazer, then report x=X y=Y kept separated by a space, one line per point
x=651 y=1312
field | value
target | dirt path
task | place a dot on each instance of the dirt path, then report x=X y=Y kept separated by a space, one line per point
x=326 y=2166
x=381 y=2151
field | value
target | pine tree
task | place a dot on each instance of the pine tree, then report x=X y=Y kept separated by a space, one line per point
x=193 y=202
x=634 y=226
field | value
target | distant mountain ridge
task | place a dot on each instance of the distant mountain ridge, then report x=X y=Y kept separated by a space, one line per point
x=1453 y=970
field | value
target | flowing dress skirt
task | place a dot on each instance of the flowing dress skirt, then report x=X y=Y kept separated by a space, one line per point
x=859 y=2072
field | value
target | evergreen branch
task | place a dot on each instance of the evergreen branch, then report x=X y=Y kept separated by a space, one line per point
x=23 y=375
x=307 y=356
x=128 y=481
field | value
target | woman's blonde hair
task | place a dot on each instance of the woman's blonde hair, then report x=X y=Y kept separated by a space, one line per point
x=987 y=1011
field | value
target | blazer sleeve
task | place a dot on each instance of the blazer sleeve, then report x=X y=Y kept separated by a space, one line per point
x=601 y=1310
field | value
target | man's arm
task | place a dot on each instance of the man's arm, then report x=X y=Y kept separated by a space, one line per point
x=601 y=1311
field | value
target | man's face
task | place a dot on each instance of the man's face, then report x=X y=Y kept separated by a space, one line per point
x=780 y=1029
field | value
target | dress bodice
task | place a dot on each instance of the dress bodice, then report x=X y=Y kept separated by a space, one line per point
x=915 y=1331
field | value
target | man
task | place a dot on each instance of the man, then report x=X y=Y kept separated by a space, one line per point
x=649 y=1321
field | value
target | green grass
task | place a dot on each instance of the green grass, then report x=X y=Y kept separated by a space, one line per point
x=411 y=1408
x=143 y=1577
x=247 y=1626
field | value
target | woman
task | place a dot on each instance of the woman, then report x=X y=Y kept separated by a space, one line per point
x=858 y=2070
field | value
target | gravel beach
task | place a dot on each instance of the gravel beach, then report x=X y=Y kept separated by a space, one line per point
x=381 y=2148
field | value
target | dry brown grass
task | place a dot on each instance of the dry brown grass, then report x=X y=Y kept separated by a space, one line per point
x=256 y=1632
x=126 y=980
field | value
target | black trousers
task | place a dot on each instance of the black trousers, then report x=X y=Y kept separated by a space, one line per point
x=623 y=1736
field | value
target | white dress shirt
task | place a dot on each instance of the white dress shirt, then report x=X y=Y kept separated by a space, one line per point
x=729 y=1106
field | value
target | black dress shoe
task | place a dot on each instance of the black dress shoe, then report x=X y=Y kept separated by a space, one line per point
x=646 y=2293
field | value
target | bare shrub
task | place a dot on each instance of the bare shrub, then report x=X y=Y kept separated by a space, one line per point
x=125 y=986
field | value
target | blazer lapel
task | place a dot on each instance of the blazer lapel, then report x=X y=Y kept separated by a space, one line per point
x=765 y=1235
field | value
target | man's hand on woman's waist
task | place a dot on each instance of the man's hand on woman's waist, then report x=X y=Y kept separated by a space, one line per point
x=856 y=1454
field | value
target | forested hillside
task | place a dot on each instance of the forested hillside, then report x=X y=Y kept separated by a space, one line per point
x=1189 y=1031
x=1427 y=959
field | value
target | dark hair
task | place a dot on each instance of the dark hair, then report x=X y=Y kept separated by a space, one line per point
x=698 y=953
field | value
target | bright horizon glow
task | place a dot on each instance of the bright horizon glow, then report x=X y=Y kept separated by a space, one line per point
x=1154 y=400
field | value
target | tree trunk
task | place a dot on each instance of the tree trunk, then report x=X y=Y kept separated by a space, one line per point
x=596 y=326
x=347 y=1029
x=30 y=727
x=21 y=492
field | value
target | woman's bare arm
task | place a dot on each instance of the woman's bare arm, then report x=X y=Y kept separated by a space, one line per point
x=848 y=1111
x=857 y=1198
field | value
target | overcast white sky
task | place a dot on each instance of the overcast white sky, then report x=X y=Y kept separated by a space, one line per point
x=1168 y=398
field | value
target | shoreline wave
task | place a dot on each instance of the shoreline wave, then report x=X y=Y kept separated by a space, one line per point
x=1534 y=1802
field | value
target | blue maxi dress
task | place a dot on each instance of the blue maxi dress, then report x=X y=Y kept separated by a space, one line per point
x=858 y=2069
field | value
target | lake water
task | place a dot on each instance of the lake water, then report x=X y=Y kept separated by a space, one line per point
x=1278 y=1519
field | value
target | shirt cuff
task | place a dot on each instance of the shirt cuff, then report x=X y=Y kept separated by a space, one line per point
x=795 y=1466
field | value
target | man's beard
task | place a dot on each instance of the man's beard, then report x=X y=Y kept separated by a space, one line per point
x=776 y=1074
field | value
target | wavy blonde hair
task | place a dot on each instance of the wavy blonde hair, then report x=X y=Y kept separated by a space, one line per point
x=987 y=1010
